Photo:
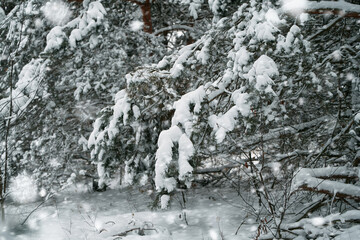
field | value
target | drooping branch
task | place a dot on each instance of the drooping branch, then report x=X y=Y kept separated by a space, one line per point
x=334 y=173
x=248 y=142
x=174 y=28
x=349 y=216
x=338 y=12
x=309 y=208
x=317 y=180
x=341 y=8
x=332 y=192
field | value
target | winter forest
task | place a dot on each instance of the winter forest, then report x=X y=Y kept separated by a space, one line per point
x=179 y=119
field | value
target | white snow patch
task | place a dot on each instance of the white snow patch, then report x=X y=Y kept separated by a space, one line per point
x=272 y=17
x=203 y=54
x=225 y=123
x=121 y=109
x=357 y=118
x=350 y=233
x=27 y=87
x=182 y=108
x=241 y=101
x=184 y=54
x=304 y=17
x=101 y=173
x=264 y=31
x=276 y=166
x=163 y=63
x=144 y=180
x=164 y=201
x=186 y=150
x=313 y=178
x=260 y=74
x=54 y=39
x=242 y=57
x=91 y=19
x=318 y=221
x=193 y=7
x=265 y=65
x=116 y=211
x=166 y=142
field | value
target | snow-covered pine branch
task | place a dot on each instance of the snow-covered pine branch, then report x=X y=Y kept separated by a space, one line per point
x=317 y=180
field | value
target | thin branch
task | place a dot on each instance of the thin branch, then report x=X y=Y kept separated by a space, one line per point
x=331 y=140
x=325 y=28
x=135 y=1
x=173 y=28
x=38 y=206
x=123 y=234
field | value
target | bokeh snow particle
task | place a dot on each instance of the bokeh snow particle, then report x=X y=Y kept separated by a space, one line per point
x=42 y=192
x=136 y=26
x=57 y=12
x=213 y=234
x=23 y=189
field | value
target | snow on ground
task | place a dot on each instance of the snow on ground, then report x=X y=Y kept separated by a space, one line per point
x=102 y=215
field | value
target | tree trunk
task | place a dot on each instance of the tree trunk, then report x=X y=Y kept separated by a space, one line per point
x=355 y=91
x=146 y=15
x=2 y=210
x=355 y=105
x=2 y=198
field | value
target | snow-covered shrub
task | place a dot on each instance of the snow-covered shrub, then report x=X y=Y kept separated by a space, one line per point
x=245 y=91
x=252 y=90
x=77 y=67
x=126 y=134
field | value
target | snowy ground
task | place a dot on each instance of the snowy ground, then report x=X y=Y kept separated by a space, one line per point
x=209 y=212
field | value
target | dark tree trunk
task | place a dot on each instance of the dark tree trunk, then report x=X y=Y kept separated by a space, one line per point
x=146 y=12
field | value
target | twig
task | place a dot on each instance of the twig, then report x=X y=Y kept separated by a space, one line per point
x=243 y=221
x=38 y=206
x=325 y=28
x=122 y=234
